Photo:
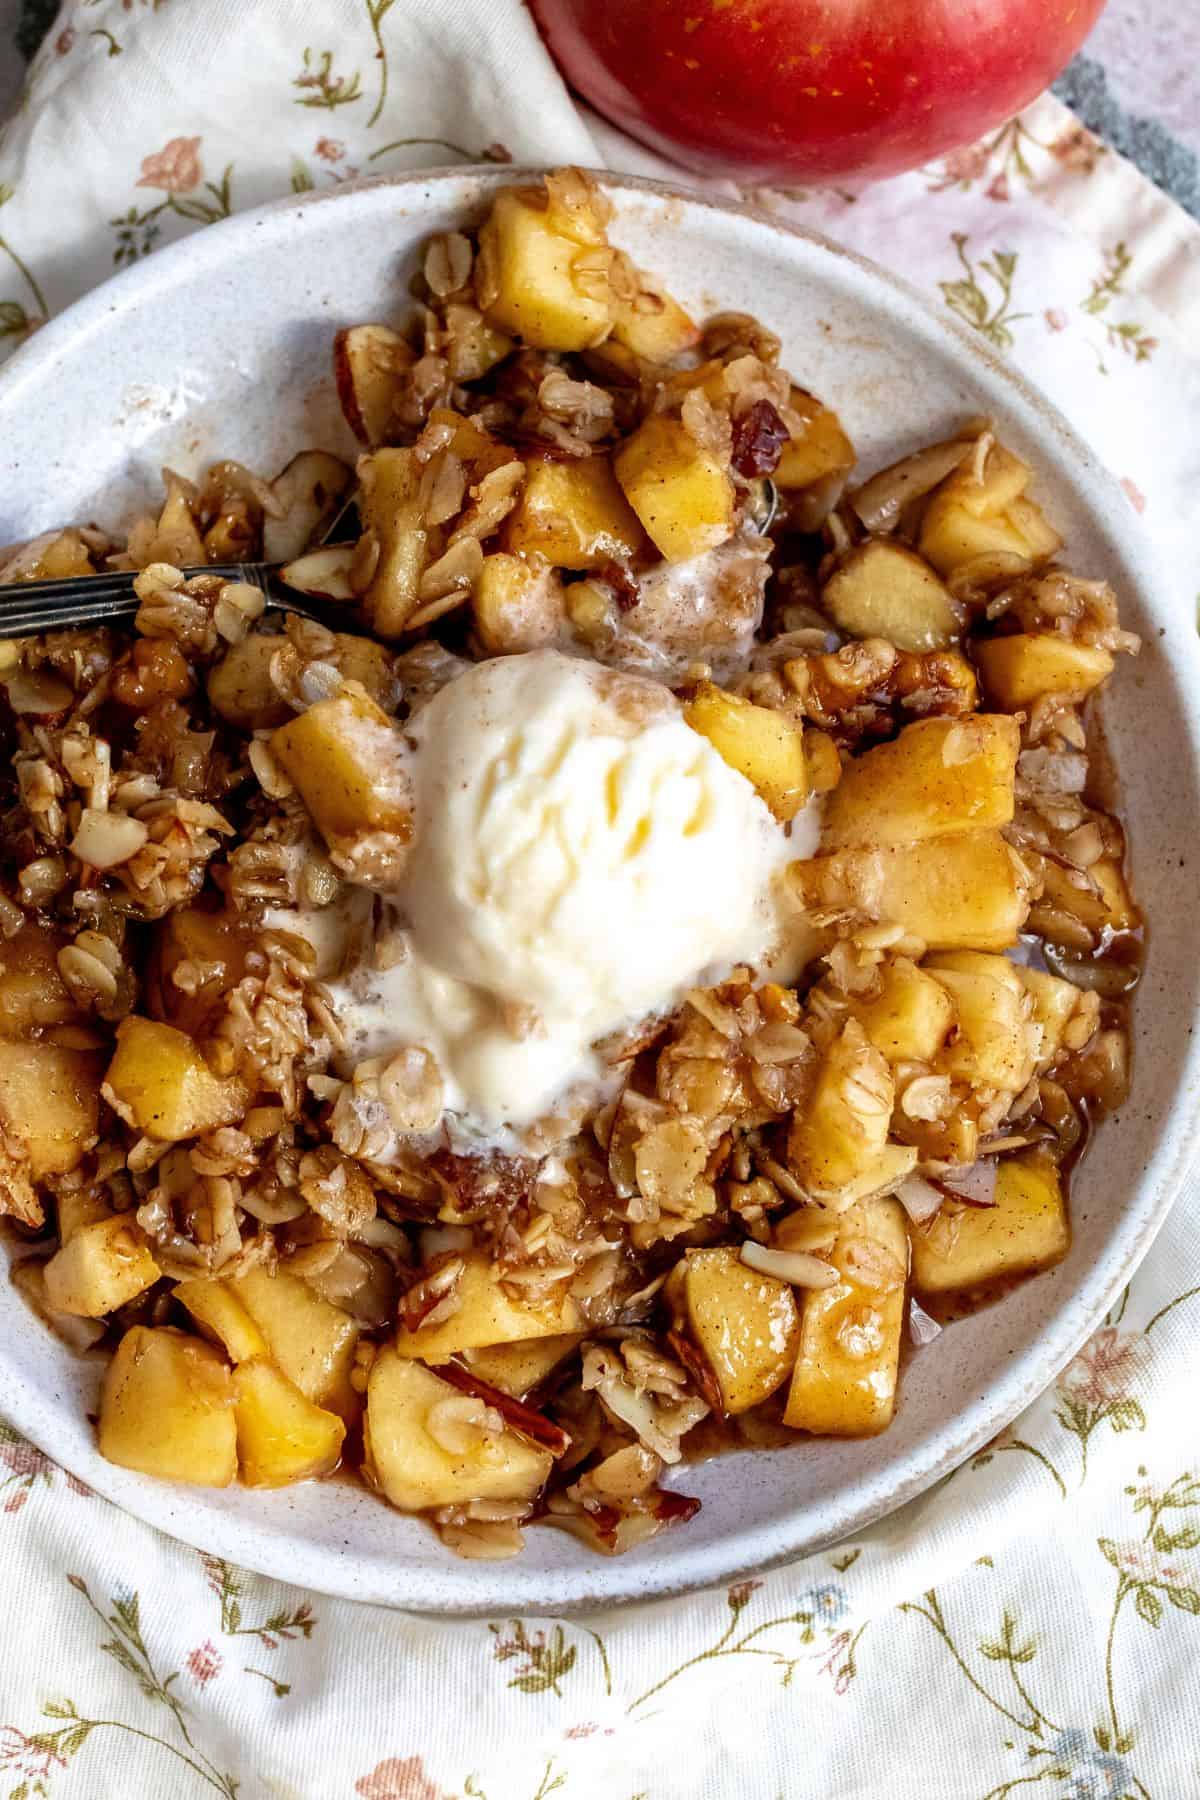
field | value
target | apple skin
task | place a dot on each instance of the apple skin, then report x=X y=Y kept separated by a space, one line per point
x=810 y=90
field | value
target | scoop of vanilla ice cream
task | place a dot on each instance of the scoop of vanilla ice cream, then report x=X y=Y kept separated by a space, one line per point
x=581 y=857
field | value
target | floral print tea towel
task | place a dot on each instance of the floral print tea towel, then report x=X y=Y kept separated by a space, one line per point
x=1032 y=1626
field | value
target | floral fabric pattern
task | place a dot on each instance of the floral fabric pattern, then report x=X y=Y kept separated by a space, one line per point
x=1030 y=1626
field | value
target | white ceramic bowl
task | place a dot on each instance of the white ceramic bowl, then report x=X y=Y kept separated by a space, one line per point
x=220 y=346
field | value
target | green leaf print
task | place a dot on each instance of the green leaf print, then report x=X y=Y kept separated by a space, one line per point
x=991 y=316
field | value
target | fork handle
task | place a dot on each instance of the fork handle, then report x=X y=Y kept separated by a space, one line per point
x=67 y=603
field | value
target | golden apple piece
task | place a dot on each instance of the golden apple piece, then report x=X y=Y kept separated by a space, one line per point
x=844 y=1381
x=390 y=504
x=103 y=1265
x=841 y=1129
x=653 y=325
x=240 y=688
x=487 y=1315
x=346 y=759
x=820 y=450
x=428 y=1444
x=910 y=1017
x=542 y=286
x=968 y=891
x=517 y=604
x=745 y=1325
x=32 y=991
x=1018 y=670
x=281 y=1436
x=76 y=1208
x=973 y=515
x=679 y=488
x=161 y=1085
x=758 y=742
x=1055 y=1004
x=965 y=1247
x=573 y=514
x=994 y=1046
x=369 y=365
x=309 y=491
x=310 y=1340
x=166 y=1409
x=881 y=589
x=518 y=1368
x=49 y=1103
x=939 y=775
x=219 y=1312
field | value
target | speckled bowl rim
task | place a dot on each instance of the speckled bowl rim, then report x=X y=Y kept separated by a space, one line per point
x=270 y=1547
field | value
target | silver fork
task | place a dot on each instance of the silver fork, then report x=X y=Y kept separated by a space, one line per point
x=64 y=603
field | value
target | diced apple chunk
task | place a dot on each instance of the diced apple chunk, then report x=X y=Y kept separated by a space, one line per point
x=994 y=1046
x=102 y=1266
x=758 y=742
x=310 y=1340
x=408 y=1424
x=216 y=1308
x=518 y=605
x=844 y=1381
x=745 y=1324
x=573 y=514
x=884 y=590
x=541 y=295
x=939 y=775
x=159 y=1083
x=1018 y=670
x=968 y=1246
x=518 y=1368
x=240 y=688
x=841 y=1129
x=820 y=449
x=967 y=891
x=1055 y=1003
x=49 y=1104
x=32 y=992
x=487 y=1315
x=653 y=325
x=390 y=504
x=910 y=1017
x=166 y=1409
x=970 y=517
x=79 y=1207
x=346 y=758
x=281 y=1436
x=679 y=488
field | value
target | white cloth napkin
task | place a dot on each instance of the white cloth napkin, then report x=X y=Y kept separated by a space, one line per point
x=1030 y=1626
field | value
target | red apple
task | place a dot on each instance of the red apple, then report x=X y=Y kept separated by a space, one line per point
x=810 y=90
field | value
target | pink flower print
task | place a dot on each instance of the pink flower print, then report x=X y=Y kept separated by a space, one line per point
x=64 y=40
x=20 y=1755
x=1077 y=149
x=967 y=164
x=1134 y=494
x=1056 y=318
x=329 y=149
x=16 y=1501
x=204 y=1663
x=998 y=189
x=1106 y=1367
x=398 y=1779
x=24 y=1459
x=175 y=169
